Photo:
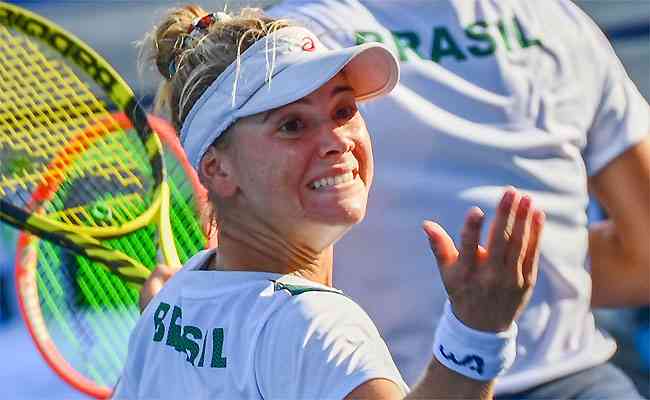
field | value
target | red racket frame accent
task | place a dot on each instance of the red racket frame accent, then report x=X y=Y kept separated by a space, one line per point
x=27 y=256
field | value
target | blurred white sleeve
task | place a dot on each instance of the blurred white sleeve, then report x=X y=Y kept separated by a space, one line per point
x=622 y=116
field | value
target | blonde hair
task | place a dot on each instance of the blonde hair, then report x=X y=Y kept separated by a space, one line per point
x=190 y=63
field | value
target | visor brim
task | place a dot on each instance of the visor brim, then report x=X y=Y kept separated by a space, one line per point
x=370 y=68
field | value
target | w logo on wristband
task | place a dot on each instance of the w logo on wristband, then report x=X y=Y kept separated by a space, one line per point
x=474 y=362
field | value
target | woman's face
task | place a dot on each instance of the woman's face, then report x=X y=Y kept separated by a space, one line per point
x=307 y=165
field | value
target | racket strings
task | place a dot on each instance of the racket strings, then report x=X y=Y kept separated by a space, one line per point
x=40 y=99
x=106 y=197
x=56 y=92
x=88 y=315
x=89 y=312
x=74 y=204
x=103 y=304
x=187 y=229
x=184 y=213
x=47 y=105
x=78 y=210
x=140 y=244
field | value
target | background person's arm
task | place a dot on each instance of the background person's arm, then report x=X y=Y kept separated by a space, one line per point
x=619 y=247
x=616 y=155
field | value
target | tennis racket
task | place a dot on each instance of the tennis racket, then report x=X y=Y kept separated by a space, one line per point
x=79 y=315
x=72 y=133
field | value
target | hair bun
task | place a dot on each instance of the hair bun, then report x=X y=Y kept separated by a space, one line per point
x=190 y=48
x=168 y=40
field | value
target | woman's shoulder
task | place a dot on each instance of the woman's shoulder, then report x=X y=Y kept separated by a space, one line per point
x=311 y=307
x=322 y=340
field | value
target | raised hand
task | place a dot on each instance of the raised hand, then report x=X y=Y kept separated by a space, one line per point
x=488 y=288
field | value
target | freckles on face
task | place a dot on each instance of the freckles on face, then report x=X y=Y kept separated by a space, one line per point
x=363 y=151
x=343 y=203
x=308 y=161
x=269 y=171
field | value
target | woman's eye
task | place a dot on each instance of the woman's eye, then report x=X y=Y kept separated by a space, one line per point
x=345 y=113
x=292 y=126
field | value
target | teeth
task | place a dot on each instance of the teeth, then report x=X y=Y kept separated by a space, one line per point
x=333 y=180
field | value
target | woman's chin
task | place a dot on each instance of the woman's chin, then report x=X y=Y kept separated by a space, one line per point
x=326 y=230
x=345 y=212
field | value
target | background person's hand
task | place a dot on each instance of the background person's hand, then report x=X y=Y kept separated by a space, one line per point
x=489 y=288
x=154 y=283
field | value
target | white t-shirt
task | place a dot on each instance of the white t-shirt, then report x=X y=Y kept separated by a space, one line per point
x=251 y=335
x=492 y=93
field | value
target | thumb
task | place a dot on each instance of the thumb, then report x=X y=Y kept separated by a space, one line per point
x=441 y=243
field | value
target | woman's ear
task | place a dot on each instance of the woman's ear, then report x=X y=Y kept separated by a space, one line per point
x=216 y=171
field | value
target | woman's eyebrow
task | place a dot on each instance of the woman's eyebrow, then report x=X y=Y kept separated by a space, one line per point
x=305 y=100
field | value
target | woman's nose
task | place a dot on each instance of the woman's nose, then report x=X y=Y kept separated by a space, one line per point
x=336 y=140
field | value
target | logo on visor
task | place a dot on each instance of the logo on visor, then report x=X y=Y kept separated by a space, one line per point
x=287 y=45
x=308 y=44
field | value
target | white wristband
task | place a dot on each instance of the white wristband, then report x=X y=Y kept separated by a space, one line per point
x=475 y=354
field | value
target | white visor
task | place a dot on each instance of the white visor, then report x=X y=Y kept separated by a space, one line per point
x=277 y=70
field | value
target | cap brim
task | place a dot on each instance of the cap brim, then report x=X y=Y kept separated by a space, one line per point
x=370 y=68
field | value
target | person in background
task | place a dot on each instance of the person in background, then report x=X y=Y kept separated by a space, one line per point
x=528 y=93
x=268 y=117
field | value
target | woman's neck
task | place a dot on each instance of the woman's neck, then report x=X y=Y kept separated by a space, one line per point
x=255 y=253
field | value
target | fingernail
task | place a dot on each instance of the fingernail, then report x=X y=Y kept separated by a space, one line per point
x=524 y=205
x=508 y=198
x=475 y=215
x=424 y=225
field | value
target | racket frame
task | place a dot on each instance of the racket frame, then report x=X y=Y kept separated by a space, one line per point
x=75 y=236
x=27 y=290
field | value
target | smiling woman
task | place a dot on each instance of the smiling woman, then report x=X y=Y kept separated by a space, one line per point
x=268 y=117
x=311 y=169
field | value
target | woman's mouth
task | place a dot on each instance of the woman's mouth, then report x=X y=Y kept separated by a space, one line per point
x=334 y=180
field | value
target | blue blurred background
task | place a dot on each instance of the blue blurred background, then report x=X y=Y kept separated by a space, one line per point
x=114 y=27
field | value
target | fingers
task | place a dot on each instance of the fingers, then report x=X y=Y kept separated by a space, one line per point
x=441 y=244
x=490 y=289
x=470 y=237
x=513 y=243
x=500 y=231
x=530 y=264
x=516 y=247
